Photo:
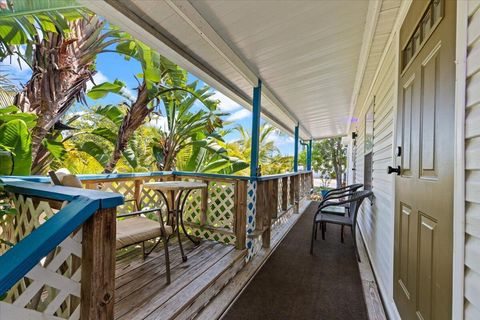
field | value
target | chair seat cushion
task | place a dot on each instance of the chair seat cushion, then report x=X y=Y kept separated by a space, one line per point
x=338 y=210
x=138 y=229
x=333 y=218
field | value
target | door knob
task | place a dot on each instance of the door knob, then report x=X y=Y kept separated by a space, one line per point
x=391 y=170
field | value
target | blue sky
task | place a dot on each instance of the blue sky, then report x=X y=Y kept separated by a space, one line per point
x=111 y=66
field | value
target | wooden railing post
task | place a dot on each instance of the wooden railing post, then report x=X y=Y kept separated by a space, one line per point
x=204 y=205
x=263 y=216
x=240 y=214
x=292 y=191
x=274 y=197
x=261 y=205
x=98 y=266
x=138 y=194
x=296 y=192
x=284 y=194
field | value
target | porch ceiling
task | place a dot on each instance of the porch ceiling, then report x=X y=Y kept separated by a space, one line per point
x=308 y=54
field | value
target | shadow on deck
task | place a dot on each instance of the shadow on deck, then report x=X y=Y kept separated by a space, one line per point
x=141 y=291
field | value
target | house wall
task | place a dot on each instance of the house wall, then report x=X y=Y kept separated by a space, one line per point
x=376 y=221
x=472 y=165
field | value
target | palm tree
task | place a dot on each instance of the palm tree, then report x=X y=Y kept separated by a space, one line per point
x=267 y=147
x=270 y=158
x=60 y=46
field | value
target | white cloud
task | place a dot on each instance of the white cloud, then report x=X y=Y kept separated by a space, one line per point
x=239 y=115
x=280 y=138
x=98 y=78
x=226 y=104
x=17 y=69
x=126 y=91
x=159 y=122
x=15 y=63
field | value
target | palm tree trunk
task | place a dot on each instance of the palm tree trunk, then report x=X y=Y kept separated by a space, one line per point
x=61 y=67
x=134 y=118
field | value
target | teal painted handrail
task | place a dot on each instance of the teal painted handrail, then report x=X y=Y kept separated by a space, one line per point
x=24 y=255
x=46 y=179
x=93 y=177
x=281 y=175
x=209 y=175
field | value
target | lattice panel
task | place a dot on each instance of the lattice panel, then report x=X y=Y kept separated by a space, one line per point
x=220 y=212
x=150 y=198
x=251 y=213
x=51 y=288
x=221 y=205
x=193 y=208
x=125 y=188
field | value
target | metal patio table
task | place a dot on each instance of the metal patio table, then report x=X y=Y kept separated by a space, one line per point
x=179 y=192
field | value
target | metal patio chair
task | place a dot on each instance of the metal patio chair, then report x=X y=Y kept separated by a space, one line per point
x=320 y=218
x=338 y=195
x=133 y=228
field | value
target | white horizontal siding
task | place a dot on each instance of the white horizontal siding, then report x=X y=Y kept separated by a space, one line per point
x=472 y=166
x=376 y=220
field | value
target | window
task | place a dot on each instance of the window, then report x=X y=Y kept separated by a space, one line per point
x=368 y=158
x=430 y=19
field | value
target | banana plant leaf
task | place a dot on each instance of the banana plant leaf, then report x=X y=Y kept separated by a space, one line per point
x=15 y=136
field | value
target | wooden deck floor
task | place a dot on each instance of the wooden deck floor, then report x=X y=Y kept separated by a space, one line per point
x=141 y=291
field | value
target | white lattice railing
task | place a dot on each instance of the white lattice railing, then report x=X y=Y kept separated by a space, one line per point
x=215 y=220
x=42 y=232
x=52 y=287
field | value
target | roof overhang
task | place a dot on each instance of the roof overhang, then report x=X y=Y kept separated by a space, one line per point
x=310 y=55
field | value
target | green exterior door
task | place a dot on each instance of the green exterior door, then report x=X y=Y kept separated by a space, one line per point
x=425 y=138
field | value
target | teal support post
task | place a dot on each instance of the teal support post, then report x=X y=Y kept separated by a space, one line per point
x=295 y=155
x=256 y=112
x=309 y=155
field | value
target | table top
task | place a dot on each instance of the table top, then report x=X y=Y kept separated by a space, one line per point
x=174 y=185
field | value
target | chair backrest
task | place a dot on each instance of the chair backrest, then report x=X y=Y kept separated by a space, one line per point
x=65 y=179
x=350 y=188
x=356 y=200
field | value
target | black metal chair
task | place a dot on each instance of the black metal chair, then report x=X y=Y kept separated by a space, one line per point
x=338 y=195
x=350 y=188
x=320 y=218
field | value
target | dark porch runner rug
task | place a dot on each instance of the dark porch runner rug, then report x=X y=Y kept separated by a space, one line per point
x=295 y=285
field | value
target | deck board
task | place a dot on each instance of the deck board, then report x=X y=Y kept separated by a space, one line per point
x=141 y=290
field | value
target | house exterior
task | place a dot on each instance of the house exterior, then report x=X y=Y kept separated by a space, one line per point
x=399 y=79
x=408 y=249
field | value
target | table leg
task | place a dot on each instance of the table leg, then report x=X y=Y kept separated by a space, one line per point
x=174 y=223
x=180 y=209
x=177 y=226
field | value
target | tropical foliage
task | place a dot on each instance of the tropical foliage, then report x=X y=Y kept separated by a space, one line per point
x=329 y=158
x=270 y=158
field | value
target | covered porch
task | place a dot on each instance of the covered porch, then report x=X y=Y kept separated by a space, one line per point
x=367 y=71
